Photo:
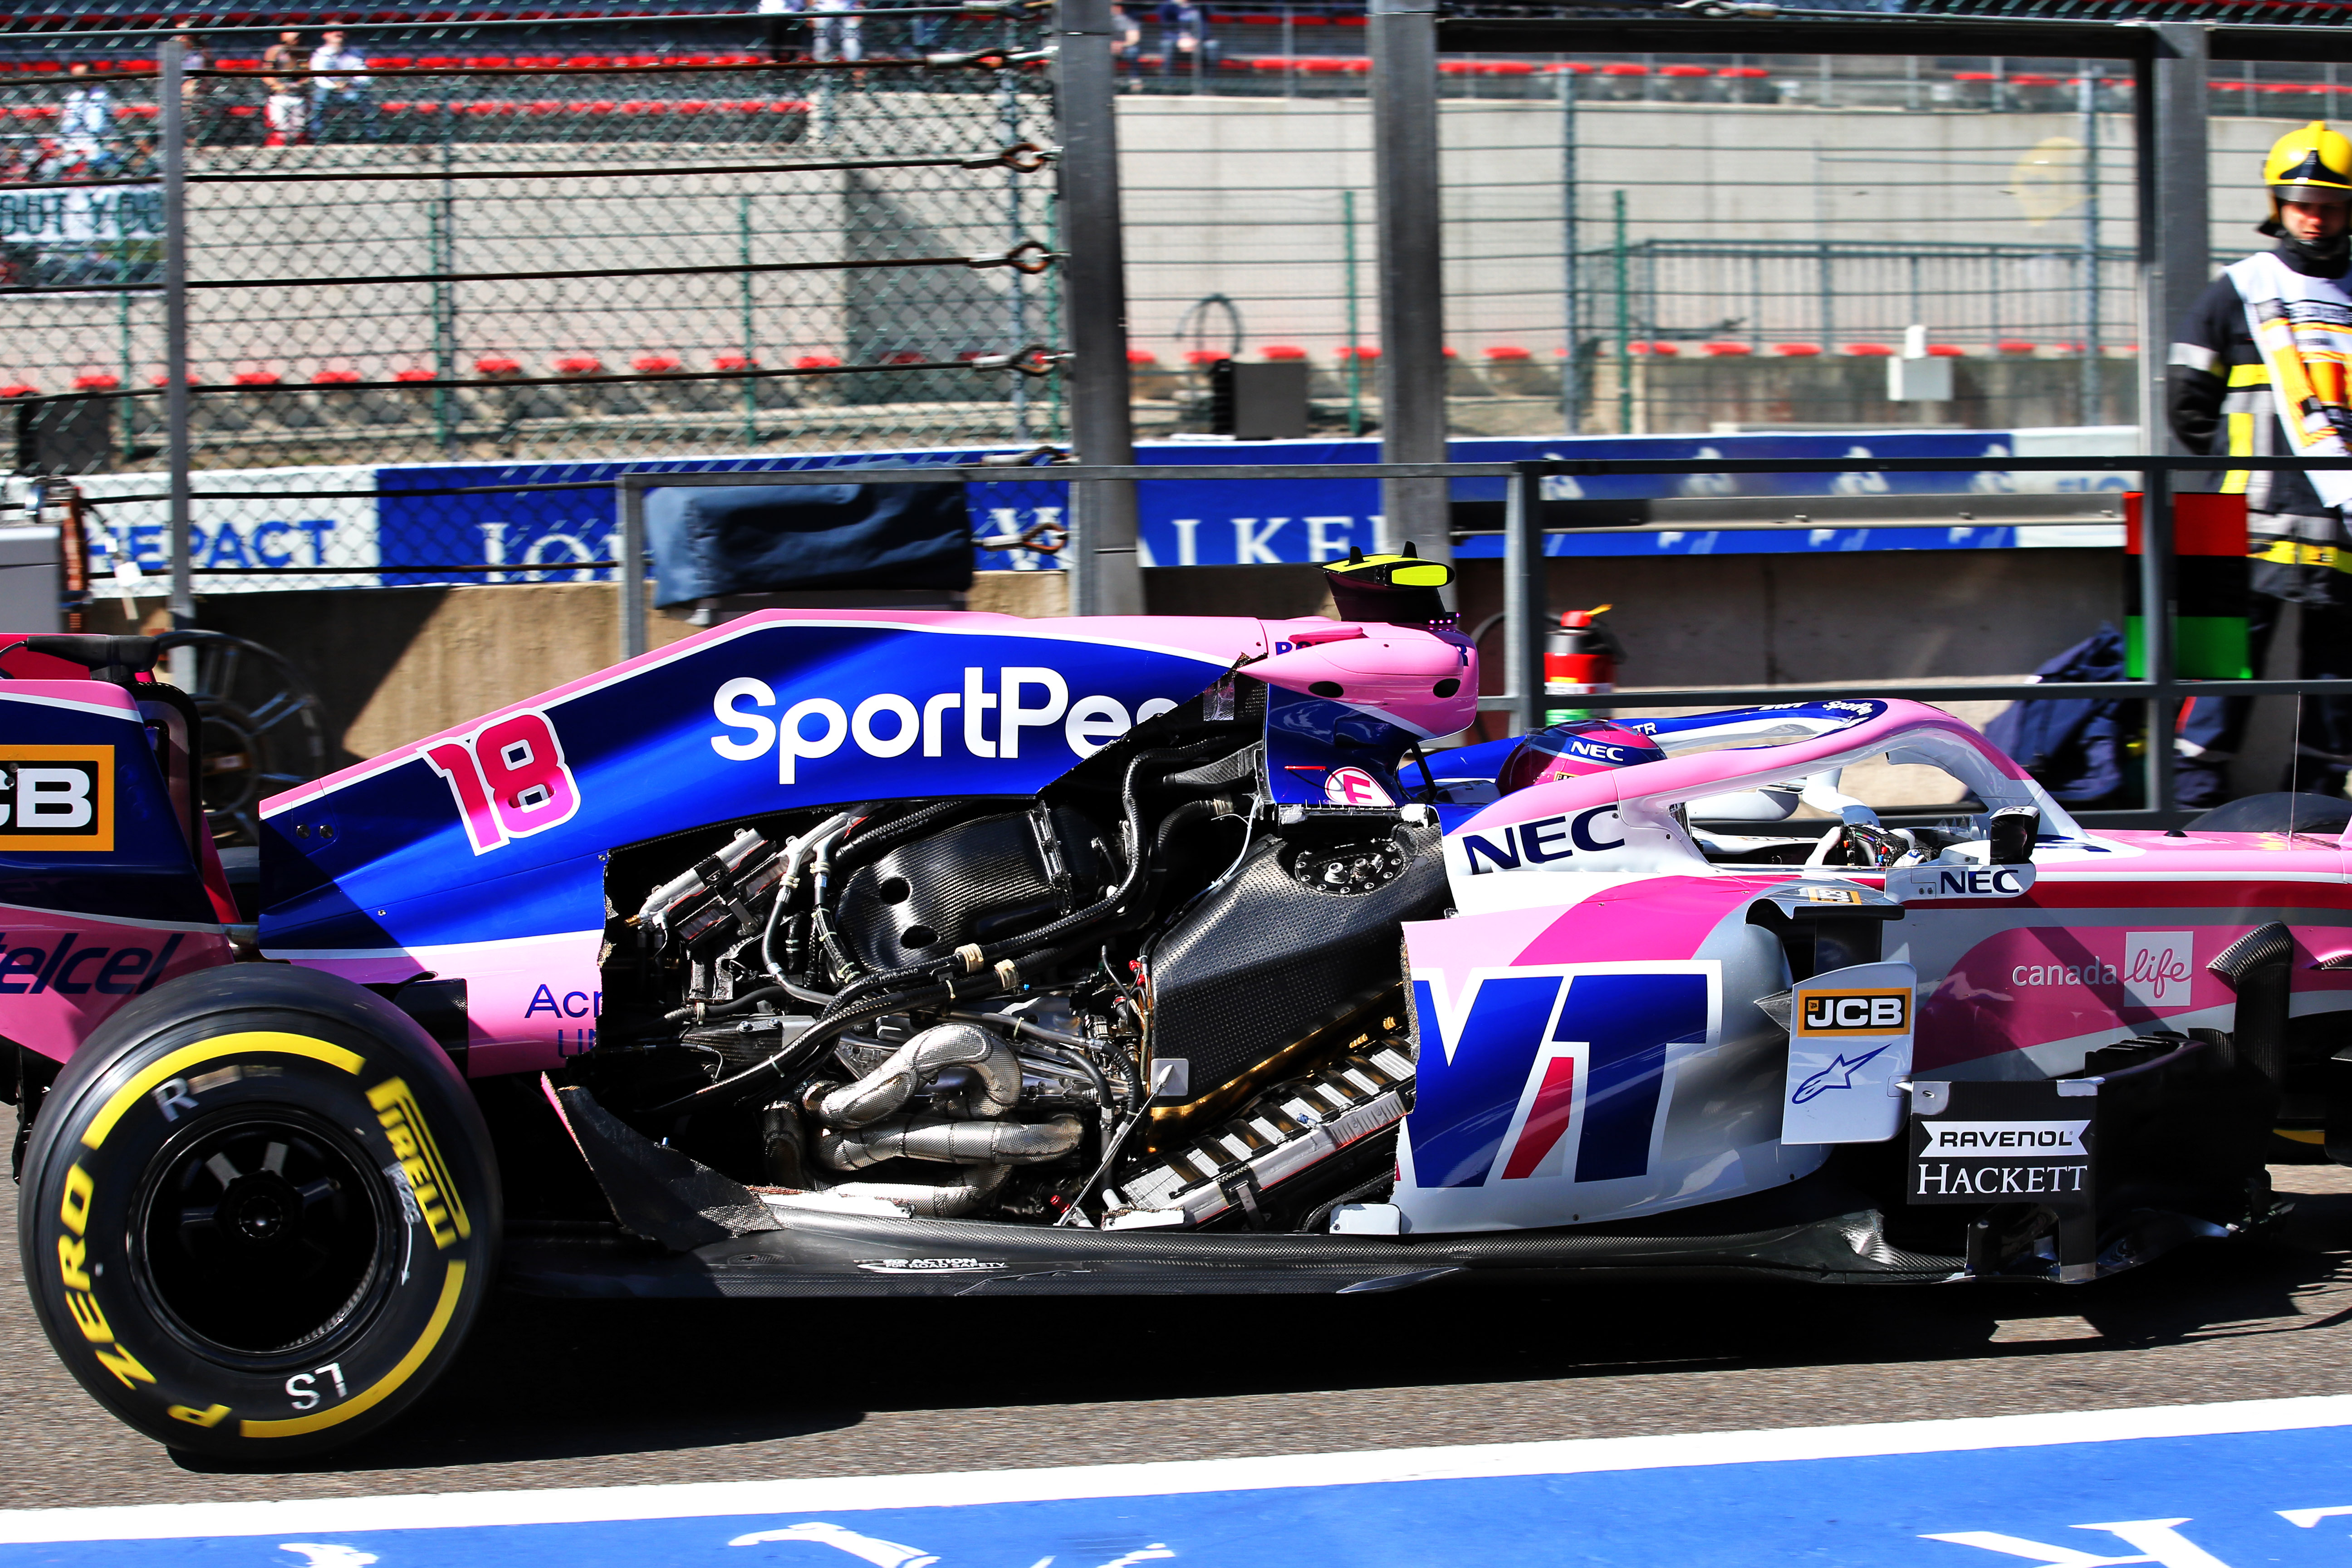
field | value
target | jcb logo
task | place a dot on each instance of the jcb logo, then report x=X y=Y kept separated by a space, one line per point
x=1855 y=1013
x=57 y=797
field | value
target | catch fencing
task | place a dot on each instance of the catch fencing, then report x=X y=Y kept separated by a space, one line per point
x=422 y=252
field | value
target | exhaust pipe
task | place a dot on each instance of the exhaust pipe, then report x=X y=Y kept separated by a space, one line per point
x=880 y=1093
x=954 y=1200
x=954 y=1142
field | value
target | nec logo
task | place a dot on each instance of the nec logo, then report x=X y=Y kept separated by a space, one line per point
x=1922 y=883
x=57 y=798
x=1855 y=1013
x=1595 y=830
x=1600 y=752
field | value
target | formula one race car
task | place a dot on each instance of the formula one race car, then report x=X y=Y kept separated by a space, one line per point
x=883 y=954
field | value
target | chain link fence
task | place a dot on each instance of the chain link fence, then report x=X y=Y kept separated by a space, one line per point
x=408 y=257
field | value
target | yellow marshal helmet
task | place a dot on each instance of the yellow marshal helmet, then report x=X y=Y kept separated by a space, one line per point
x=2312 y=164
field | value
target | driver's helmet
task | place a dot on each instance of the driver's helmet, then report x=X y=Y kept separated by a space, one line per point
x=1573 y=750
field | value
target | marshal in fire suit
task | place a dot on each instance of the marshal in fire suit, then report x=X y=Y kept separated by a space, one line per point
x=2222 y=404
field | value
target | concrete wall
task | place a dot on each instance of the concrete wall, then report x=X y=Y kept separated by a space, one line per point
x=395 y=664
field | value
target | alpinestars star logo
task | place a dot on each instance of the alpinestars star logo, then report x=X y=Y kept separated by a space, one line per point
x=1839 y=1073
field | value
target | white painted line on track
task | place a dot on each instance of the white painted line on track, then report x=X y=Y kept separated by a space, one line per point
x=162 y=1522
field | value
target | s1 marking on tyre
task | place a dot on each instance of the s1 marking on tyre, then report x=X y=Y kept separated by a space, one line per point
x=452 y=1288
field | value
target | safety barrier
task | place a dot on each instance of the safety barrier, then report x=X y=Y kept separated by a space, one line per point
x=1524 y=622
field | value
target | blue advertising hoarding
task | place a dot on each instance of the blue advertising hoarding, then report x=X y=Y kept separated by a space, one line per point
x=400 y=525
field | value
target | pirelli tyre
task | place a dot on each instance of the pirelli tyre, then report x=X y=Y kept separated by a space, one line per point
x=259 y=1212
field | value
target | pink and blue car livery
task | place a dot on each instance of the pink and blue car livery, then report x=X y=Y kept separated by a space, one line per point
x=1588 y=1046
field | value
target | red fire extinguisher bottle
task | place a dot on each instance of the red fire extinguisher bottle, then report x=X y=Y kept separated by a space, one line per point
x=1580 y=660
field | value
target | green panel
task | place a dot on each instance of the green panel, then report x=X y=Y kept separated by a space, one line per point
x=2205 y=647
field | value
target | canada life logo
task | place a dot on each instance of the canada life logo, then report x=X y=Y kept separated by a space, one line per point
x=2156 y=965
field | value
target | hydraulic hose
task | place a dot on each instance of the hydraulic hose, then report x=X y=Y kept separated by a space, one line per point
x=1138 y=869
x=1078 y=920
x=728 y=1091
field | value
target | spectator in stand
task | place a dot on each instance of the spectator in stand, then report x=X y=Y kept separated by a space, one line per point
x=287 y=110
x=924 y=30
x=1184 y=34
x=85 y=121
x=343 y=106
x=787 y=32
x=1127 y=51
x=200 y=105
x=842 y=38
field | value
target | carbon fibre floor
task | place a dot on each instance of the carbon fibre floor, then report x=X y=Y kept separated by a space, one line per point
x=602 y=1394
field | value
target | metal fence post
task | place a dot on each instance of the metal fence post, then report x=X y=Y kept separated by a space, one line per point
x=1572 y=402
x=1404 y=42
x=1106 y=577
x=630 y=575
x=2155 y=610
x=1524 y=598
x=2094 y=387
x=174 y=114
x=751 y=340
x=1625 y=316
x=1355 y=324
x=2175 y=229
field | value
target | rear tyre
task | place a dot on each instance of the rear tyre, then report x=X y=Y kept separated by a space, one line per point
x=260 y=1213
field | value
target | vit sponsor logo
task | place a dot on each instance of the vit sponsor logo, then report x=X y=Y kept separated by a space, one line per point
x=57 y=798
x=1854 y=1012
x=1027 y=697
x=2012 y=1139
x=1594 y=831
x=2156 y=967
x=420 y=1161
x=1922 y=884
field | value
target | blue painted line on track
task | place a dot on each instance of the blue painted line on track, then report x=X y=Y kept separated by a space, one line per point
x=2206 y=1501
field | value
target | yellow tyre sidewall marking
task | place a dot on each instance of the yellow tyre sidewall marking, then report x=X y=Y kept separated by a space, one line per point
x=453 y=1279
x=186 y=1057
x=453 y=1285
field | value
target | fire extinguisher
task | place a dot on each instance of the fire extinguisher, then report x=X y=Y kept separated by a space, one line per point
x=1581 y=659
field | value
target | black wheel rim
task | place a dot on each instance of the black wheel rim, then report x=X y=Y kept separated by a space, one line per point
x=263 y=1232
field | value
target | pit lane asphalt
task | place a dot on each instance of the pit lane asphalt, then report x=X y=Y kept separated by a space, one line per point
x=573 y=1394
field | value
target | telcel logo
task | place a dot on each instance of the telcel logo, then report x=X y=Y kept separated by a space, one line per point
x=1855 y=1013
x=887 y=725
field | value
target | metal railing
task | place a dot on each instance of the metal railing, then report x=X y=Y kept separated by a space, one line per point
x=1524 y=619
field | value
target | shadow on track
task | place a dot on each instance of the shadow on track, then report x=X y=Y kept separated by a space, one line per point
x=568 y=1380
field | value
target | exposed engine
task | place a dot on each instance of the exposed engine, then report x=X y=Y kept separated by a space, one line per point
x=1148 y=998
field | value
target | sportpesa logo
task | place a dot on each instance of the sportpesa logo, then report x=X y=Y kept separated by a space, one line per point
x=985 y=724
